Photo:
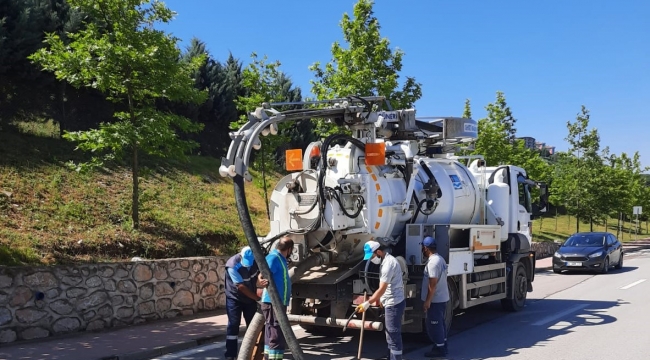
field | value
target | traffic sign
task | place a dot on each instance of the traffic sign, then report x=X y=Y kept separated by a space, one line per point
x=636 y=210
x=293 y=159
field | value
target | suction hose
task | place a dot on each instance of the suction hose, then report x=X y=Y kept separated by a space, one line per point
x=251 y=236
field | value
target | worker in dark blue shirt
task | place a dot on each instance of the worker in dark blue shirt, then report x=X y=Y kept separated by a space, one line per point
x=274 y=342
x=241 y=295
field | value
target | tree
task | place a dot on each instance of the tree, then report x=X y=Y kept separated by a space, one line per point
x=467 y=111
x=627 y=178
x=580 y=177
x=367 y=67
x=223 y=84
x=501 y=108
x=134 y=65
x=25 y=91
x=615 y=194
x=494 y=139
x=264 y=82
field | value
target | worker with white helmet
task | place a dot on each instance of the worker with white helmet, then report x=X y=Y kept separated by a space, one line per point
x=390 y=293
x=241 y=295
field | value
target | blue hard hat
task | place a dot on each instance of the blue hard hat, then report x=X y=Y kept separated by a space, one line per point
x=429 y=242
x=247 y=257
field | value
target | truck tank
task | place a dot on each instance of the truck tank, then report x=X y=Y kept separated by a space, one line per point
x=444 y=192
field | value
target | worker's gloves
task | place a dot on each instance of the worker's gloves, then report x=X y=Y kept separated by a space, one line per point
x=363 y=307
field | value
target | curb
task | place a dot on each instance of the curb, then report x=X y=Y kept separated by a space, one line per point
x=163 y=350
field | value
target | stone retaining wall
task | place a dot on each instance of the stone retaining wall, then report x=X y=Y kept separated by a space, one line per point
x=544 y=249
x=36 y=302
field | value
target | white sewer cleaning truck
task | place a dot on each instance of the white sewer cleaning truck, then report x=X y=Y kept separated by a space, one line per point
x=393 y=178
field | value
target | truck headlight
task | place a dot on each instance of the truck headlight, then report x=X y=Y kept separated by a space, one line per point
x=596 y=254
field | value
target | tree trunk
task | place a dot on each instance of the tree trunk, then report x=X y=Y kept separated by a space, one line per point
x=606 y=222
x=591 y=224
x=134 y=172
x=578 y=210
x=135 y=216
x=62 y=120
x=618 y=226
x=556 y=219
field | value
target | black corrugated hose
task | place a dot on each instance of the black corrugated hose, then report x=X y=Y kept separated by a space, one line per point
x=251 y=236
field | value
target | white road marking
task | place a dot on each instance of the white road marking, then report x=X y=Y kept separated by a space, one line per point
x=633 y=284
x=548 y=319
x=179 y=355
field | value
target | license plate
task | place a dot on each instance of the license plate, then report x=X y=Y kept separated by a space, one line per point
x=573 y=263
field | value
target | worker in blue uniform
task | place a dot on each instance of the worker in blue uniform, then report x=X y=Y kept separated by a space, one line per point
x=435 y=295
x=243 y=278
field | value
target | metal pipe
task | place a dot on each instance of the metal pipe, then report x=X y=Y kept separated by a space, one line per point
x=332 y=322
x=363 y=321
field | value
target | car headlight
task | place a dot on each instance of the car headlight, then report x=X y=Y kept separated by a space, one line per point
x=596 y=254
x=557 y=255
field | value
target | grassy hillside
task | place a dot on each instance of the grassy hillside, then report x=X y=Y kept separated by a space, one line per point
x=550 y=228
x=50 y=214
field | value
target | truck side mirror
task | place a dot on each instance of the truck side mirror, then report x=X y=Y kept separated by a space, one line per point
x=541 y=208
x=543 y=197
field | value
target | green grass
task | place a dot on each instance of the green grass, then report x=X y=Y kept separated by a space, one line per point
x=551 y=228
x=50 y=214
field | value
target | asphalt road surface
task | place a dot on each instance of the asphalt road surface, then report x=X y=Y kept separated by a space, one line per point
x=567 y=316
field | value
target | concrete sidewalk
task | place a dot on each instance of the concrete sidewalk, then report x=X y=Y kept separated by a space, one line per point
x=544 y=264
x=128 y=343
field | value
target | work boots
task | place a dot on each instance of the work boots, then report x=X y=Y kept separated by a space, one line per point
x=437 y=352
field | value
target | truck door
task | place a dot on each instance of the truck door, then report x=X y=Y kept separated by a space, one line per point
x=524 y=210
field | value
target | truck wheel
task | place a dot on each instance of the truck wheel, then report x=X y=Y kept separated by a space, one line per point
x=520 y=287
x=250 y=348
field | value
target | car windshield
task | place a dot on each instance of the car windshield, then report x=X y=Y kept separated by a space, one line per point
x=585 y=240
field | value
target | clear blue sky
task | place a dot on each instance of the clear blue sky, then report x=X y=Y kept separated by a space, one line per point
x=548 y=57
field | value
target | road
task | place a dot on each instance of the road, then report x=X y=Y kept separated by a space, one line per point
x=567 y=316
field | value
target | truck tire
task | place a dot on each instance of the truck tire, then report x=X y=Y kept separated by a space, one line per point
x=520 y=287
x=249 y=342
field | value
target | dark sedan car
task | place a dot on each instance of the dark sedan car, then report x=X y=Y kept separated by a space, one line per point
x=593 y=251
